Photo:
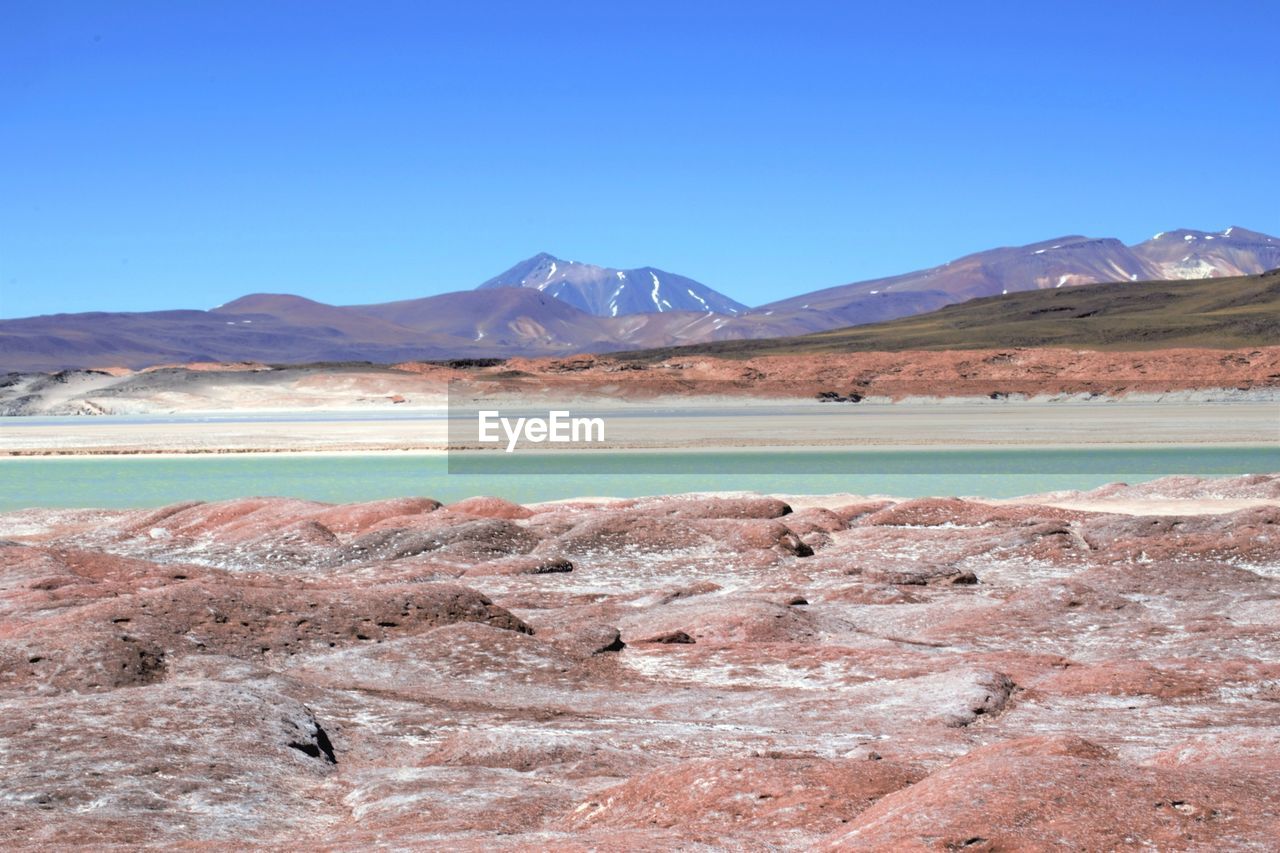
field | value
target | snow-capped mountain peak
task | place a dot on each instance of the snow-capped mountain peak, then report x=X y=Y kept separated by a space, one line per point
x=609 y=292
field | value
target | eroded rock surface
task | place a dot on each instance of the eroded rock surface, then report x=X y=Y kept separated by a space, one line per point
x=706 y=672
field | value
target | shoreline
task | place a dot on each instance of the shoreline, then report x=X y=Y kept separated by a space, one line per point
x=642 y=400
x=798 y=449
x=946 y=423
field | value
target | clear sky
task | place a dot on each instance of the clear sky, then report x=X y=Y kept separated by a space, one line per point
x=180 y=154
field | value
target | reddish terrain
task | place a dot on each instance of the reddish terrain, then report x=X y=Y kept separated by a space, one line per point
x=954 y=373
x=710 y=672
x=947 y=373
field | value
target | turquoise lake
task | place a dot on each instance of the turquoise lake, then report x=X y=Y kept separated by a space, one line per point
x=144 y=482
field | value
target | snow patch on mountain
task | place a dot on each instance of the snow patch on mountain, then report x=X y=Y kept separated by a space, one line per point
x=656 y=286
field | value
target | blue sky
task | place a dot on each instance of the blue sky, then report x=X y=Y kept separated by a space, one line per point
x=160 y=154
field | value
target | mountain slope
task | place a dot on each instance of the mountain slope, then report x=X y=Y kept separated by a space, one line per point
x=1063 y=262
x=1230 y=312
x=319 y=318
x=608 y=292
x=495 y=320
x=102 y=339
x=1199 y=254
x=1050 y=264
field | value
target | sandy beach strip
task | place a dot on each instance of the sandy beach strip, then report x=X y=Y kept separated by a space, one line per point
x=952 y=424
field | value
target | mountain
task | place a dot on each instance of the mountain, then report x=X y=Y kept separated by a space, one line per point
x=496 y=321
x=1062 y=262
x=106 y=339
x=555 y=307
x=608 y=292
x=279 y=328
x=508 y=320
x=1200 y=254
x=320 y=319
x=1243 y=311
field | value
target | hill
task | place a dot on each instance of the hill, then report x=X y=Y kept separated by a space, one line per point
x=1220 y=313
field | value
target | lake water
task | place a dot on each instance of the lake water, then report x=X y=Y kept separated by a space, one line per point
x=144 y=482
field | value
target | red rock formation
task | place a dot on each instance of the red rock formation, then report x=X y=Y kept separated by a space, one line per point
x=643 y=674
x=1064 y=793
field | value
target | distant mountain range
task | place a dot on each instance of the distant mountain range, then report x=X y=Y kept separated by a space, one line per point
x=546 y=306
x=1062 y=262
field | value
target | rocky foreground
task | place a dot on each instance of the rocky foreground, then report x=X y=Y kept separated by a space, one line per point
x=692 y=672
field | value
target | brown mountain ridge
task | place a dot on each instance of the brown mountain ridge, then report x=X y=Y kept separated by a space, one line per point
x=526 y=319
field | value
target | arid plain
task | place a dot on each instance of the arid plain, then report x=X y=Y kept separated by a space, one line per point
x=1032 y=397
